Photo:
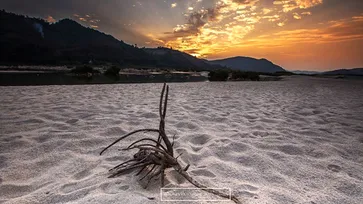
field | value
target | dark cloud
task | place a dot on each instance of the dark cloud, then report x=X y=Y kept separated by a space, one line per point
x=144 y=22
x=196 y=20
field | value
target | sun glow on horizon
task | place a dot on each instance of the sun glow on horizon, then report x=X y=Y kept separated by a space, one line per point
x=296 y=34
x=232 y=23
x=232 y=27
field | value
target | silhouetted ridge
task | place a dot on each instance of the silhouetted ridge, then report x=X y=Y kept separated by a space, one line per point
x=173 y=58
x=352 y=72
x=249 y=64
x=25 y=40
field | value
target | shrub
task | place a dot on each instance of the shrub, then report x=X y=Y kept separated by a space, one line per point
x=112 y=71
x=245 y=76
x=218 y=75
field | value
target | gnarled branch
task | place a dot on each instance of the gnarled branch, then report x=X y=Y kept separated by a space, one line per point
x=157 y=155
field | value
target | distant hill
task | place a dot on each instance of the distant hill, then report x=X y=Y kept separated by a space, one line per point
x=305 y=72
x=249 y=64
x=173 y=58
x=27 y=40
x=353 y=72
x=32 y=41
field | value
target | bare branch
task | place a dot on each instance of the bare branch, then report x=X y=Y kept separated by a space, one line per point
x=161 y=101
x=203 y=187
x=154 y=175
x=126 y=162
x=139 y=172
x=148 y=172
x=172 y=144
x=127 y=135
x=158 y=155
x=165 y=102
x=128 y=168
x=147 y=139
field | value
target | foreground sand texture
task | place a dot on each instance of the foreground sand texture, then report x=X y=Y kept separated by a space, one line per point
x=299 y=140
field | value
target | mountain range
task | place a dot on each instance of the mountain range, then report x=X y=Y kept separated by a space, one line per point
x=249 y=64
x=304 y=72
x=32 y=41
x=355 y=72
x=27 y=40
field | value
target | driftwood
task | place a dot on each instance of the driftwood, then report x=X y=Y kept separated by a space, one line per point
x=156 y=155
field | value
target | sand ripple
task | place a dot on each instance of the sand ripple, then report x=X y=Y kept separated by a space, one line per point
x=294 y=141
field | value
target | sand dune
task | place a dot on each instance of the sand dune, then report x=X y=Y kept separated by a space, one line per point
x=294 y=141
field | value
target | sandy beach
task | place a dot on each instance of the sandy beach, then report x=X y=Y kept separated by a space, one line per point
x=299 y=140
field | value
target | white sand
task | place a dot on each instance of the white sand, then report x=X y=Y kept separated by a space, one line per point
x=294 y=141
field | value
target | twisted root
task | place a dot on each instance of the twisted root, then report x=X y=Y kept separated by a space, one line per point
x=156 y=157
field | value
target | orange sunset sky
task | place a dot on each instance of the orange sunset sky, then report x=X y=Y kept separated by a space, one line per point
x=295 y=34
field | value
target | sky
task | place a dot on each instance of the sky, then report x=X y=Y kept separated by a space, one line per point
x=295 y=34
